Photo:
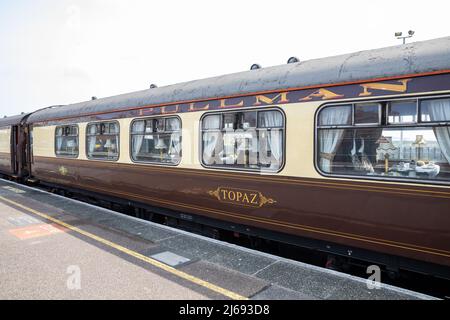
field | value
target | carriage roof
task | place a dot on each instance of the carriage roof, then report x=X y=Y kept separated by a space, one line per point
x=412 y=58
x=12 y=120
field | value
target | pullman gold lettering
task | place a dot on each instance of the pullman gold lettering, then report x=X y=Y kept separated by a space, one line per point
x=238 y=196
x=242 y=197
x=223 y=104
x=385 y=87
x=164 y=111
x=267 y=100
x=193 y=107
x=144 y=112
x=322 y=93
x=254 y=199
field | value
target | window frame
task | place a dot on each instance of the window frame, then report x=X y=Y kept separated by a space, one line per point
x=229 y=167
x=78 y=136
x=418 y=115
x=369 y=124
x=152 y=118
x=90 y=135
x=419 y=108
x=384 y=124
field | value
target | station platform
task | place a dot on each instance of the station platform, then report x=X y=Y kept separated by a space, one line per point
x=54 y=247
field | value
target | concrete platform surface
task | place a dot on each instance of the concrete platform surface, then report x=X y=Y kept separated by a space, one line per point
x=58 y=248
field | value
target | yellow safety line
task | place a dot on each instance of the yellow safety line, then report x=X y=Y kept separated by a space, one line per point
x=135 y=254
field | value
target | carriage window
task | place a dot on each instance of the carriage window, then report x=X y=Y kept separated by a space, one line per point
x=156 y=140
x=332 y=116
x=402 y=112
x=66 y=141
x=367 y=113
x=102 y=141
x=251 y=140
x=414 y=150
x=435 y=110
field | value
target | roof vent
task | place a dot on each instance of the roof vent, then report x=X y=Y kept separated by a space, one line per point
x=255 y=66
x=293 y=60
x=5 y=117
x=153 y=86
x=94 y=98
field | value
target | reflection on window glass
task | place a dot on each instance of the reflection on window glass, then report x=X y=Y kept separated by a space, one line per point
x=156 y=140
x=248 y=120
x=367 y=113
x=229 y=121
x=103 y=141
x=66 y=141
x=410 y=151
x=402 y=112
x=248 y=140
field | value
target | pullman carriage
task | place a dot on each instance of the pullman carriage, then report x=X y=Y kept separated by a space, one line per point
x=348 y=155
x=13 y=148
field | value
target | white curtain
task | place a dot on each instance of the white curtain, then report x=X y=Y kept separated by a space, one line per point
x=330 y=140
x=175 y=145
x=247 y=141
x=91 y=139
x=271 y=119
x=229 y=146
x=210 y=144
x=211 y=138
x=91 y=142
x=59 y=142
x=138 y=126
x=211 y=122
x=276 y=147
x=173 y=124
x=175 y=139
x=440 y=111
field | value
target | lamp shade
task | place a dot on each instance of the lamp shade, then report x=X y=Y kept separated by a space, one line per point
x=419 y=140
x=160 y=144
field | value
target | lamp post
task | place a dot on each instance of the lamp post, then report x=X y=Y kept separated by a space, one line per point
x=399 y=35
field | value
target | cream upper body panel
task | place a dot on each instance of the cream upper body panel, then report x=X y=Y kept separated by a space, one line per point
x=44 y=141
x=124 y=141
x=82 y=141
x=5 y=140
x=299 y=142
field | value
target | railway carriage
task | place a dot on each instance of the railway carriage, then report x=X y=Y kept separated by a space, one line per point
x=348 y=155
x=13 y=146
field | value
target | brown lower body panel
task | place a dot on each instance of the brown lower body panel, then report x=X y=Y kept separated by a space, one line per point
x=5 y=163
x=408 y=221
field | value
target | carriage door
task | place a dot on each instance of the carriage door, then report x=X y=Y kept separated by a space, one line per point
x=14 y=148
x=27 y=150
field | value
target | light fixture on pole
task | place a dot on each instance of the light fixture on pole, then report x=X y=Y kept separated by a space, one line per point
x=399 y=35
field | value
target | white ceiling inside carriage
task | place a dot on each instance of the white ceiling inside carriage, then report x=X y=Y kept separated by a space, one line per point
x=65 y=51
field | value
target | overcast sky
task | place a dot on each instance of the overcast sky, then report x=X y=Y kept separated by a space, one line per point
x=65 y=51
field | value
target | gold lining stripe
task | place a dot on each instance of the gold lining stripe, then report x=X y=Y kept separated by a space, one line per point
x=384 y=242
x=135 y=254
